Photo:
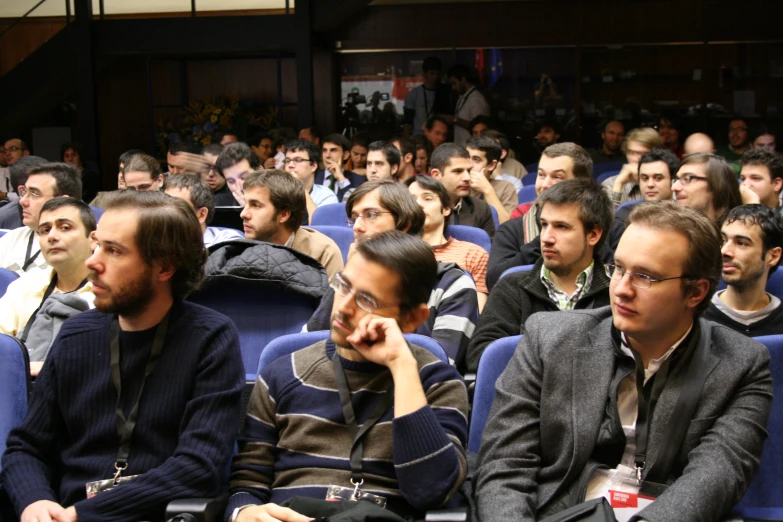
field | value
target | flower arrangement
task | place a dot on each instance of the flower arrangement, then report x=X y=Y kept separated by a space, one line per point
x=200 y=119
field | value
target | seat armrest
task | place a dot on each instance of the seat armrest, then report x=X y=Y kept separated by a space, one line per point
x=458 y=514
x=201 y=509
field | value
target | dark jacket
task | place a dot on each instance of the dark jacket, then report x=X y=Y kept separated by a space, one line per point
x=518 y=296
x=353 y=177
x=770 y=325
x=618 y=227
x=474 y=213
x=224 y=198
x=281 y=267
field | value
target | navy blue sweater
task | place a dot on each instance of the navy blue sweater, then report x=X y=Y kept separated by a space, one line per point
x=187 y=422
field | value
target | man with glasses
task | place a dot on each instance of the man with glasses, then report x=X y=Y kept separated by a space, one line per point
x=301 y=160
x=20 y=250
x=302 y=426
x=707 y=183
x=739 y=142
x=645 y=389
x=15 y=149
x=381 y=206
x=142 y=173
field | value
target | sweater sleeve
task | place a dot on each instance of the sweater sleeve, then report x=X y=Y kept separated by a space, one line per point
x=209 y=428
x=456 y=316
x=502 y=317
x=429 y=454
x=253 y=469
x=508 y=250
x=31 y=457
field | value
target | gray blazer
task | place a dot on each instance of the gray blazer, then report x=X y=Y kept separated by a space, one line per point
x=550 y=400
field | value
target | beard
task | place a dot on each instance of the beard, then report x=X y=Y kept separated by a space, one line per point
x=129 y=299
x=747 y=277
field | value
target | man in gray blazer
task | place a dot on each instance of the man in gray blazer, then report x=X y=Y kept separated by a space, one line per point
x=568 y=400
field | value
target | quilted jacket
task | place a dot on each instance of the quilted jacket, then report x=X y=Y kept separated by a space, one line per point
x=281 y=267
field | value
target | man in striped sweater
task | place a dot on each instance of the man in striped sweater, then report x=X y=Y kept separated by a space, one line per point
x=138 y=401
x=379 y=206
x=301 y=434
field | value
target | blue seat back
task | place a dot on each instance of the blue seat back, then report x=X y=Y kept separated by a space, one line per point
x=6 y=278
x=529 y=178
x=288 y=344
x=14 y=385
x=495 y=218
x=98 y=211
x=343 y=236
x=330 y=215
x=775 y=283
x=629 y=203
x=764 y=491
x=515 y=269
x=3 y=231
x=532 y=167
x=606 y=166
x=527 y=194
x=493 y=361
x=606 y=175
x=261 y=313
x=473 y=234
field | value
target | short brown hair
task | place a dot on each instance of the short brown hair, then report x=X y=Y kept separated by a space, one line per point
x=583 y=163
x=395 y=198
x=647 y=136
x=169 y=232
x=286 y=192
x=704 y=259
x=142 y=163
x=722 y=181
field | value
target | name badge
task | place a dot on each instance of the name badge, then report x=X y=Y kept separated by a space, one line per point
x=99 y=486
x=341 y=494
x=625 y=493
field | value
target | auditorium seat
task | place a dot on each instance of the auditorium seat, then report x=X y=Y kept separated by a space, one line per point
x=98 y=211
x=343 y=236
x=6 y=278
x=529 y=178
x=606 y=166
x=493 y=362
x=14 y=385
x=532 y=168
x=474 y=235
x=330 y=215
x=527 y=194
x=514 y=269
x=288 y=344
x=763 y=500
x=494 y=216
x=606 y=175
x=775 y=283
x=3 y=231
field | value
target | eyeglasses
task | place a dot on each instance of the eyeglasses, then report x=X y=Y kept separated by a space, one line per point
x=295 y=161
x=367 y=215
x=738 y=129
x=687 y=178
x=13 y=148
x=638 y=280
x=141 y=188
x=32 y=194
x=365 y=301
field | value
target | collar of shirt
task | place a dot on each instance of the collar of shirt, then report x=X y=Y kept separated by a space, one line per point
x=458 y=206
x=655 y=364
x=290 y=241
x=562 y=299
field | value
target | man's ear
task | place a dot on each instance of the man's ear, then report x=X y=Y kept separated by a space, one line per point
x=202 y=214
x=446 y=211
x=594 y=236
x=414 y=318
x=408 y=158
x=435 y=173
x=777 y=184
x=492 y=166
x=283 y=216
x=773 y=256
x=346 y=155
x=395 y=169
x=165 y=270
x=503 y=155
x=697 y=292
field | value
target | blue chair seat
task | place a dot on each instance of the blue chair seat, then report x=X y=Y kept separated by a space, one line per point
x=515 y=269
x=343 y=236
x=527 y=194
x=529 y=178
x=472 y=234
x=330 y=215
x=493 y=361
x=606 y=166
x=606 y=175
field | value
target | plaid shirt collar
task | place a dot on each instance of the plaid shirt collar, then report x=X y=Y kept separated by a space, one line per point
x=562 y=299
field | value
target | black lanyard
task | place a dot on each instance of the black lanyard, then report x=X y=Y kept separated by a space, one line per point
x=125 y=426
x=687 y=400
x=357 y=433
x=46 y=295
x=27 y=259
x=426 y=104
x=464 y=100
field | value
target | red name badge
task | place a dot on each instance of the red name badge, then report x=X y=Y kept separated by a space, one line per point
x=623 y=499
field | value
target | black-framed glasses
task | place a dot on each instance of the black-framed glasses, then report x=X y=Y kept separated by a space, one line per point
x=13 y=148
x=365 y=301
x=141 y=188
x=295 y=161
x=367 y=215
x=638 y=280
x=32 y=194
x=687 y=179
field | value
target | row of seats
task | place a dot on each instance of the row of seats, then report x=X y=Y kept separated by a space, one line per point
x=762 y=497
x=599 y=171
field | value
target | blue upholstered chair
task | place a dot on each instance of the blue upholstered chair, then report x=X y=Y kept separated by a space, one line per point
x=529 y=179
x=493 y=362
x=527 y=194
x=515 y=269
x=330 y=215
x=343 y=236
x=14 y=385
x=607 y=166
x=6 y=278
x=606 y=175
x=473 y=234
